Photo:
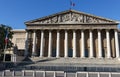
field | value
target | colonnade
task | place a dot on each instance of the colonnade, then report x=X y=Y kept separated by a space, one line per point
x=66 y=43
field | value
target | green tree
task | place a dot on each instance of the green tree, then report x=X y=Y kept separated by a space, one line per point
x=4 y=29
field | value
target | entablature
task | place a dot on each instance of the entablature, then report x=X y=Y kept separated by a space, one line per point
x=72 y=26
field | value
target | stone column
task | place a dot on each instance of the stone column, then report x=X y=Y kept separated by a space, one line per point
x=66 y=44
x=58 y=45
x=82 y=44
x=42 y=44
x=108 y=44
x=117 y=44
x=50 y=44
x=74 y=43
x=91 y=43
x=99 y=45
x=26 y=44
x=34 y=44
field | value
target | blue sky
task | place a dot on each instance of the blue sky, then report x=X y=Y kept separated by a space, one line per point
x=15 y=12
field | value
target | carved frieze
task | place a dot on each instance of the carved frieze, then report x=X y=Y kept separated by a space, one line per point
x=72 y=17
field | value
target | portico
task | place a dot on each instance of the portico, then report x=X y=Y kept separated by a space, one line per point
x=72 y=34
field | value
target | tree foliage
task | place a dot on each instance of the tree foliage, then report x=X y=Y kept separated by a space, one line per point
x=3 y=30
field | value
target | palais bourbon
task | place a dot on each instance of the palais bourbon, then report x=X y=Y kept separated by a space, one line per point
x=72 y=34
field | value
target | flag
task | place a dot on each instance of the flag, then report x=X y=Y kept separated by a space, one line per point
x=71 y=3
x=6 y=37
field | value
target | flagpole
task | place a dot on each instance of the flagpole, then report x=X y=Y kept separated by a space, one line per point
x=4 y=51
x=6 y=41
x=70 y=4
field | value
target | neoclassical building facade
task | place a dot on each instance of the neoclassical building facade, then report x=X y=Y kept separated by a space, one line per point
x=72 y=34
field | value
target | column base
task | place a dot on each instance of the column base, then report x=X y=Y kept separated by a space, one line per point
x=57 y=56
x=108 y=57
x=41 y=56
x=66 y=57
x=100 y=57
x=82 y=57
x=91 y=57
x=74 y=57
x=49 y=56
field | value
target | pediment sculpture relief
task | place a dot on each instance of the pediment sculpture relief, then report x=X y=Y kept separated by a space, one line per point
x=71 y=17
x=77 y=18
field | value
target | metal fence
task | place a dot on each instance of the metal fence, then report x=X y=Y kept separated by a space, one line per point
x=33 y=73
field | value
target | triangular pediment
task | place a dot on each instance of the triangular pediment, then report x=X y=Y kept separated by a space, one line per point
x=70 y=17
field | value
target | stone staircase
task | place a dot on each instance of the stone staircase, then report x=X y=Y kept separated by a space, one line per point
x=66 y=64
x=77 y=60
x=71 y=64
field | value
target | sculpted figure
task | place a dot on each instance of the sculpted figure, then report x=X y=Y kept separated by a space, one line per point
x=74 y=17
x=66 y=17
x=41 y=22
x=59 y=19
x=54 y=19
x=95 y=20
x=100 y=21
x=80 y=18
x=77 y=18
x=49 y=20
x=45 y=21
x=89 y=20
